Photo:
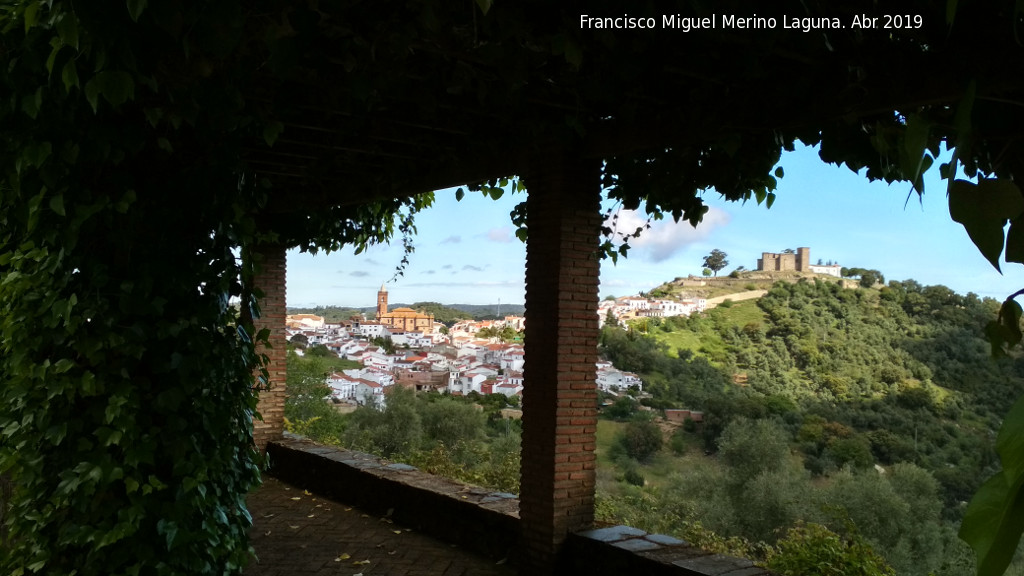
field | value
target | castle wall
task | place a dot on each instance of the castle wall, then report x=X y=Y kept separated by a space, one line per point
x=773 y=262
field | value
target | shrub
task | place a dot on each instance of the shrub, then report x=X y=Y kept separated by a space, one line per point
x=634 y=477
x=814 y=549
x=640 y=440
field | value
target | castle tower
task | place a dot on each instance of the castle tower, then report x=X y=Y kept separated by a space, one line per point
x=382 y=302
x=803 y=259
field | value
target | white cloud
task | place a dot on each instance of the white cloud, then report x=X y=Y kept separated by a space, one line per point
x=666 y=237
x=501 y=234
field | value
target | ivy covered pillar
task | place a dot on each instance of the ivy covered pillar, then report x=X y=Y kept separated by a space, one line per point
x=559 y=396
x=270 y=276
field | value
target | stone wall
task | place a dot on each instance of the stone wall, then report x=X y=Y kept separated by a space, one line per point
x=481 y=520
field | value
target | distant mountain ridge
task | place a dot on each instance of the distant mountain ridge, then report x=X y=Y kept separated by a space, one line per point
x=446 y=313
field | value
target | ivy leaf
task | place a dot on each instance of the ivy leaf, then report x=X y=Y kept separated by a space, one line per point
x=994 y=520
x=912 y=156
x=67 y=29
x=135 y=8
x=69 y=74
x=271 y=131
x=1009 y=319
x=1015 y=241
x=169 y=529
x=32 y=15
x=484 y=5
x=57 y=204
x=573 y=53
x=983 y=209
x=116 y=87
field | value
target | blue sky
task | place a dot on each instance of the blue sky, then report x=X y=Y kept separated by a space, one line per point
x=467 y=252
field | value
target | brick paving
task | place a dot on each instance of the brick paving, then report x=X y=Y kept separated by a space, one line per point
x=296 y=533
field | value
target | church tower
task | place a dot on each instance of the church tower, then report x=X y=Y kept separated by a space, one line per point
x=382 y=302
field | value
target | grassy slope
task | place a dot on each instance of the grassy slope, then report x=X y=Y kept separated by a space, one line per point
x=705 y=341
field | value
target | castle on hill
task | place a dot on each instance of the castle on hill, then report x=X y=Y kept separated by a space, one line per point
x=799 y=261
x=405 y=319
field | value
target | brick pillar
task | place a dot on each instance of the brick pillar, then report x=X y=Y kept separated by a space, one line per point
x=271 y=269
x=560 y=394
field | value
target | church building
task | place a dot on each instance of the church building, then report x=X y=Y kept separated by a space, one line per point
x=405 y=319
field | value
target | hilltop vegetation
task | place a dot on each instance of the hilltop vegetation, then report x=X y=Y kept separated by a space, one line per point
x=804 y=392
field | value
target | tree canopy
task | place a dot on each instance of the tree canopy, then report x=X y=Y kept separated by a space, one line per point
x=715 y=261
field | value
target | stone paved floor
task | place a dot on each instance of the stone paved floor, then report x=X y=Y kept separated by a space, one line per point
x=296 y=533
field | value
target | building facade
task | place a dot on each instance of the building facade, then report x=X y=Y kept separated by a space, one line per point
x=402 y=318
x=800 y=261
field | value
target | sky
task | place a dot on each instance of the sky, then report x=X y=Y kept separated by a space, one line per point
x=467 y=252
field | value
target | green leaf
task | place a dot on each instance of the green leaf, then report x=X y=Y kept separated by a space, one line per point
x=31 y=15
x=116 y=87
x=484 y=5
x=1009 y=319
x=67 y=29
x=57 y=204
x=459 y=195
x=994 y=520
x=69 y=74
x=573 y=53
x=779 y=172
x=32 y=104
x=962 y=118
x=135 y=8
x=37 y=153
x=950 y=12
x=271 y=131
x=52 y=58
x=169 y=529
x=983 y=209
x=1015 y=241
x=912 y=155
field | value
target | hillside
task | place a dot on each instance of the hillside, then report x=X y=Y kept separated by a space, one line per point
x=889 y=364
x=713 y=287
x=905 y=369
x=842 y=380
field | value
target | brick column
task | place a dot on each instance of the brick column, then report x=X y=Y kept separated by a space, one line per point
x=271 y=269
x=560 y=395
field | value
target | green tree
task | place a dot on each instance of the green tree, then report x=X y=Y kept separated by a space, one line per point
x=716 y=260
x=320 y=351
x=640 y=440
x=306 y=387
x=450 y=422
x=389 y=430
x=752 y=447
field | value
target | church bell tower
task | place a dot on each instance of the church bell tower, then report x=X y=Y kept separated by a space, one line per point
x=382 y=302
